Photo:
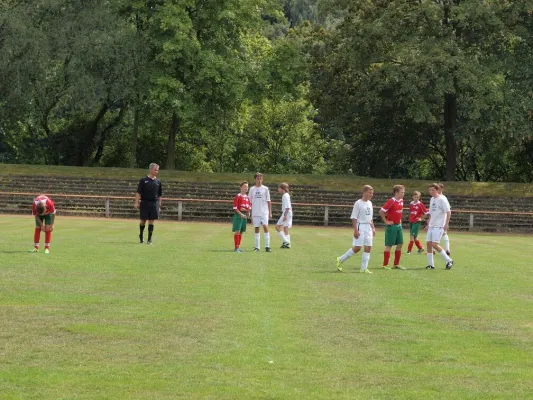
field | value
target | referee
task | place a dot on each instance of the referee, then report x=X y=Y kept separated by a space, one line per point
x=148 y=197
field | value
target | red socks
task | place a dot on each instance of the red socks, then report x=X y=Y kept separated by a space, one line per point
x=410 y=247
x=37 y=237
x=397 y=255
x=418 y=244
x=386 y=257
x=237 y=240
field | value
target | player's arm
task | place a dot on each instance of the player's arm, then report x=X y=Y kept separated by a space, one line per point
x=160 y=195
x=39 y=222
x=269 y=208
x=236 y=206
x=355 y=230
x=137 y=199
x=52 y=224
x=373 y=228
x=383 y=216
x=447 y=223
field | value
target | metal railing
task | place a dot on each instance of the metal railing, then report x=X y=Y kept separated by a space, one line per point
x=181 y=201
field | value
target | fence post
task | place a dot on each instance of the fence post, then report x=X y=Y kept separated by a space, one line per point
x=180 y=210
x=326 y=216
x=107 y=213
x=471 y=224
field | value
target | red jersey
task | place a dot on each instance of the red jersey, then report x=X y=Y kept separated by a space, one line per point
x=416 y=211
x=393 y=210
x=242 y=202
x=50 y=207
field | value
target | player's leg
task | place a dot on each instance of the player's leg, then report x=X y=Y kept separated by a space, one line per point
x=47 y=233
x=281 y=232
x=399 y=243
x=287 y=234
x=367 y=241
x=37 y=235
x=256 y=221
x=266 y=233
x=446 y=241
x=241 y=231
x=350 y=252
x=389 y=242
x=236 y=229
x=411 y=238
x=144 y=216
x=154 y=214
x=150 y=230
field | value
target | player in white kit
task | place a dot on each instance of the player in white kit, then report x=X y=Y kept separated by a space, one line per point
x=285 y=221
x=438 y=223
x=445 y=238
x=261 y=211
x=363 y=229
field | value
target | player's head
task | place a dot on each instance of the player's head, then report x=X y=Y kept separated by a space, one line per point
x=416 y=195
x=368 y=192
x=258 y=178
x=153 y=168
x=244 y=186
x=40 y=208
x=398 y=191
x=283 y=187
x=434 y=189
x=441 y=187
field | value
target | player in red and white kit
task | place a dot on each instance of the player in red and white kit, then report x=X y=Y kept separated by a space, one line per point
x=241 y=209
x=417 y=212
x=44 y=211
x=391 y=214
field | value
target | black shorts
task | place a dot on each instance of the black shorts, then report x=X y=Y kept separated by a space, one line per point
x=149 y=210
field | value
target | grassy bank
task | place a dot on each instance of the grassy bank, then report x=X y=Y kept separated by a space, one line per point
x=327 y=182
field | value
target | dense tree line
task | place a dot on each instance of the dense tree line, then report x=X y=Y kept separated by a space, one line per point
x=421 y=89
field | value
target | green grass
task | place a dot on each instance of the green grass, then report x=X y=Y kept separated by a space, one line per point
x=104 y=317
x=327 y=182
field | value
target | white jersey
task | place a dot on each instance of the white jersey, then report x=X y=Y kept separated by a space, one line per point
x=363 y=211
x=286 y=202
x=259 y=196
x=438 y=207
x=446 y=200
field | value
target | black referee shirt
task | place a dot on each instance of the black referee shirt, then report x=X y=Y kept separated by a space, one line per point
x=149 y=189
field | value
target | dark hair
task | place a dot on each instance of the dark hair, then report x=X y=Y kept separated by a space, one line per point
x=243 y=183
x=40 y=208
x=434 y=185
x=257 y=174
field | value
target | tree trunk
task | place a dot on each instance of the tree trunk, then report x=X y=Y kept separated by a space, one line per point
x=450 y=128
x=87 y=143
x=171 y=144
x=134 y=138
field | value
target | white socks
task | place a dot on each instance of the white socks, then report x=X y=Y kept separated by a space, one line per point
x=429 y=256
x=366 y=259
x=446 y=242
x=445 y=256
x=257 y=240
x=347 y=255
x=283 y=237
x=267 y=239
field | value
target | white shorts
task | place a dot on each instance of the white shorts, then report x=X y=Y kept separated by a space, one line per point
x=434 y=234
x=287 y=223
x=365 y=236
x=258 y=221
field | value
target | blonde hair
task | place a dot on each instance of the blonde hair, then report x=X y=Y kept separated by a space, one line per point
x=416 y=193
x=367 y=188
x=284 y=186
x=397 y=188
x=257 y=175
x=441 y=186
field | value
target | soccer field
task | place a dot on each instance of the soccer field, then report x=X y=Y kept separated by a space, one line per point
x=104 y=317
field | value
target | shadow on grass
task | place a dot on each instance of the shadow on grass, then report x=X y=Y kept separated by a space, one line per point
x=16 y=251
